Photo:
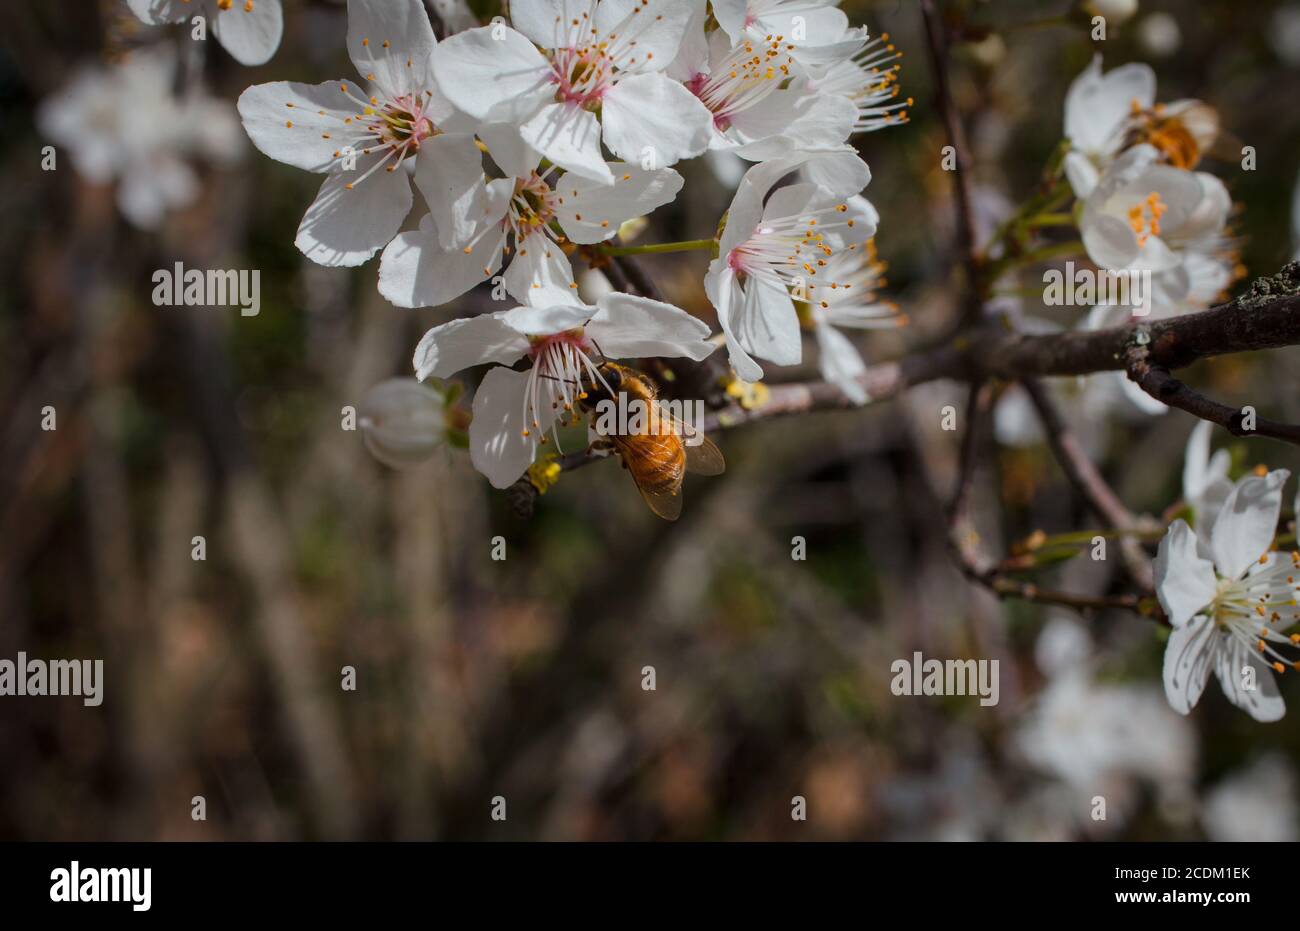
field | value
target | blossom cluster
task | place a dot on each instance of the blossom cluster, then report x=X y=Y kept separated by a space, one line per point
x=521 y=143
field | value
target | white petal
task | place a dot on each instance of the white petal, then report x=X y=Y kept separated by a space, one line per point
x=540 y=273
x=1096 y=106
x=499 y=80
x=512 y=155
x=251 y=37
x=657 y=26
x=547 y=22
x=459 y=344
x=159 y=12
x=347 y=227
x=149 y=190
x=1244 y=529
x=544 y=320
x=497 y=446
x=591 y=212
x=650 y=117
x=570 y=137
x=391 y=44
x=296 y=134
x=819 y=122
x=631 y=327
x=840 y=363
x=1196 y=461
x=724 y=291
x=1185 y=582
x=842 y=173
x=415 y=271
x=1109 y=241
x=767 y=325
x=1189 y=656
x=449 y=173
x=1082 y=174
x=1263 y=702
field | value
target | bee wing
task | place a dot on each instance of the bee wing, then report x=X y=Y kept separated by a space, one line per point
x=667 y=506
x=702 y=456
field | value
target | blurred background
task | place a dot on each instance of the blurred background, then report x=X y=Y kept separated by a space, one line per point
x=523 y=678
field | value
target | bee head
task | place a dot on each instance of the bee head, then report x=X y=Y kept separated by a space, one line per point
x=596 y=390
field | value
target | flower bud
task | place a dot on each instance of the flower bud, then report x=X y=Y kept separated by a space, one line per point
x=403 y=422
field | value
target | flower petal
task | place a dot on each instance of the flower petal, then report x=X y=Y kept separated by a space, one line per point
x=591 y=212
x=570 y=137
x=460 y=344
x=631 y=327
x=840 y=363
x=391 y=44
x=496 y=79
x=1189 y=656
x=415 y=271
x=724 y=291
x=540 y=273
x=1096 y=106
x=159 y=12
x=652 y=120
x=497 y=444
x=1185 y=582
x=250 y=34
x=543 y=320
x=768 y=326
x=285 y=121
x=512 y=155
x=1239 y=668
x=449 y=173
x=657 y=26
x=345 y=227
x=1244 y=528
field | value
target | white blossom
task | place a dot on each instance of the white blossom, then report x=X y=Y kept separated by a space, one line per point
x=565 y=61
x=365 y=136
x=1229 y=610
x=248 y=29
x=773 y=246
x=513 y=410
x=126 y=124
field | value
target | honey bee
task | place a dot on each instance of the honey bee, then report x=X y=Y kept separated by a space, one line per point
x=659 y=456
x=1182 y=132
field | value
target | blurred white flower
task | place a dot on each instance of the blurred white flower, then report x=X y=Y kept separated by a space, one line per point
x=1228 y=612
x=1147 y=216
x=1253 y=804
x=126 y=124
x=1160 y=35
x=248 y=29
x=513 y=410
x=349 y=133
x=1102 y=739
x=1106 y=114
x=608 y=57
x=773 y=246
x=1116 y=12
x=1284 y=34
x=402 y=422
